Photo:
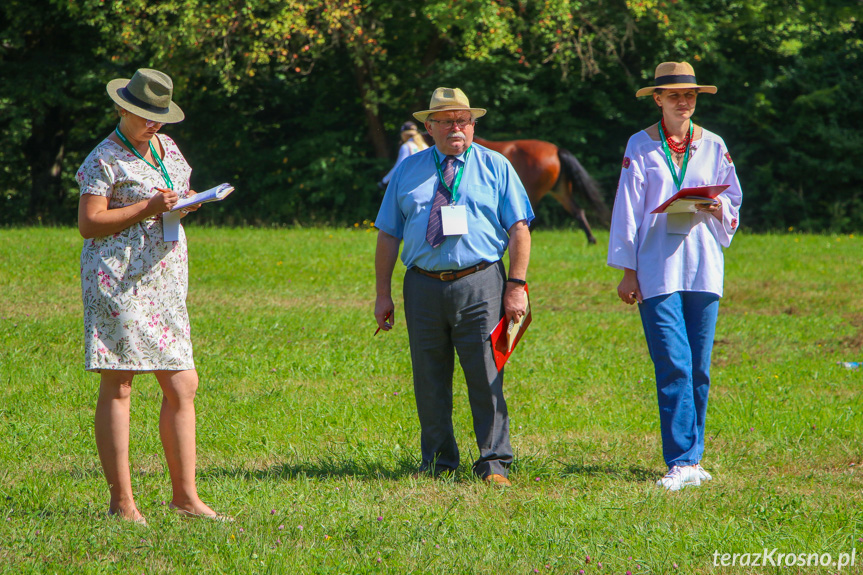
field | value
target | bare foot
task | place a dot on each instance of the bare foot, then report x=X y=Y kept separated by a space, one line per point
x=128 y=514
x=197 y=509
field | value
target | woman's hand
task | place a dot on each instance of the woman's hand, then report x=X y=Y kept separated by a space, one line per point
x=715 y=209
x=628 y=290
x=186 y=211
x=163 y=201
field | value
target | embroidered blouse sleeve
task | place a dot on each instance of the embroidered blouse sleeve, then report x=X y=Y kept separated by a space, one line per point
x=628 y=211
x=732 y=198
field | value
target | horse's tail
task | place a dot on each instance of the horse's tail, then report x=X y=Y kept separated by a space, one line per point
x=583 y=182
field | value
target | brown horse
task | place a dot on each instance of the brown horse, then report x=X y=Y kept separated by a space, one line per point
x=543 y=168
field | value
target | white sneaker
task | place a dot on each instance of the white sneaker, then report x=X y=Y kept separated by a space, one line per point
x=704 y=475
x=679 y=477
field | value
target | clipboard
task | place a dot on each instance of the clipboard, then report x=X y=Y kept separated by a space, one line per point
x=171 y=219
x=687 y=199
x=216 y=194
x=505 y=338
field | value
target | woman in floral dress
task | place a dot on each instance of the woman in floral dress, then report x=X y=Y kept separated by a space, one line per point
x=134 y=287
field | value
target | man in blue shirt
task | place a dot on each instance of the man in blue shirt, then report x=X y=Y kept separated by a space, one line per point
x=457 y=206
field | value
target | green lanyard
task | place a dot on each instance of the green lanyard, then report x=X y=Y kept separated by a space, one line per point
x=459 y=174
x=163 y=169
x=678 y=181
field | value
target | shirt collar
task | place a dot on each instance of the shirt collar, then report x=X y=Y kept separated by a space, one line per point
x=441 y=156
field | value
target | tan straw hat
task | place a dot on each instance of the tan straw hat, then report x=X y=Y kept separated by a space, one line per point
x=674 y=75
x=448 y=99
x=148 y=94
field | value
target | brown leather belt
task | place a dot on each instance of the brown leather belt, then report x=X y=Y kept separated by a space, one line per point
x=451 y=275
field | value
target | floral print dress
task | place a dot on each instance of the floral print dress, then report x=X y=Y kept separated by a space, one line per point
x=133 y=283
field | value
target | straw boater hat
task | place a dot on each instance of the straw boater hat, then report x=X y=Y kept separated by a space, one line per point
x=446 y=100
x=147 y=94
x=674 y=75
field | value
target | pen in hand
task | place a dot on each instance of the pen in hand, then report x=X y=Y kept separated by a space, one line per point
x=386 y=317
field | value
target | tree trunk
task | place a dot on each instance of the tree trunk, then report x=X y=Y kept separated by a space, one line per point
x=44 y=151
x=374 y=125
x=376 y=131
x=430 y=55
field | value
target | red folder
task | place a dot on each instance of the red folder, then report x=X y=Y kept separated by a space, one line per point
x=499 y=343
x=706 y=192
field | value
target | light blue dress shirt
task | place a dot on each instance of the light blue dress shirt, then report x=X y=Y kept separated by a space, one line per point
x=494 y=197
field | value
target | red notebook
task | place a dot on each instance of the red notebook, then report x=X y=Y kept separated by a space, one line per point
x=507 y=334
x=706 y=192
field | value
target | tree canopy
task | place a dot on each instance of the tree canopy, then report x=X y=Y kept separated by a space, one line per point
x=297 y=103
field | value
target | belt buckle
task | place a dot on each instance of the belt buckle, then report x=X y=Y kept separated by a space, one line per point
x=447 y=273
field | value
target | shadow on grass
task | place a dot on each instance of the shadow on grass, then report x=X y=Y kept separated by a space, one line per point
x=632 y=473
x=80 y=473
x=371 y=470
x=403 y=468
x=320 y=469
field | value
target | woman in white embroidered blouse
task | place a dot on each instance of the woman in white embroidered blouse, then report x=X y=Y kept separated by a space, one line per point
x=134 y=287
x=673 y=263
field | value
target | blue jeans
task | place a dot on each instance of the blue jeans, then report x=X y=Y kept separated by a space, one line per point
x=679 y=329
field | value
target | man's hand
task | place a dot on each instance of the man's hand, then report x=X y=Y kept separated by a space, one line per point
x=519 y=256
x=386 y=253
x=513 y=302
x=384 y=308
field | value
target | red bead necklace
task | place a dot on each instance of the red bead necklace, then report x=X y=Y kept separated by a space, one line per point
x=675 y=147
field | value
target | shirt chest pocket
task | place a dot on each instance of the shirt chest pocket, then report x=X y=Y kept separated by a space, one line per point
x=481 y=199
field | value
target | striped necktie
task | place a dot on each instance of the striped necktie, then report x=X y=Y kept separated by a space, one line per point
x=434 y=233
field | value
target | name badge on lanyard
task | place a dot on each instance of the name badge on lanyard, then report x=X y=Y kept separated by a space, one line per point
x=453 y=217
x=679 y=224
x=454 y=220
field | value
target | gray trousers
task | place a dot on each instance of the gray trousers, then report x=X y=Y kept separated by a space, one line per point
x=442 y=318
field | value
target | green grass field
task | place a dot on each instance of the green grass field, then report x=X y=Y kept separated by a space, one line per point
x=307 y=430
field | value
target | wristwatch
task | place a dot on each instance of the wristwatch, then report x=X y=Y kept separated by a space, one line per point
x=517 y=281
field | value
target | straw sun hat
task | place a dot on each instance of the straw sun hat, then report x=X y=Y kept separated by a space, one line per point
x=148 y=95
x=446 y=100
x=674 y=75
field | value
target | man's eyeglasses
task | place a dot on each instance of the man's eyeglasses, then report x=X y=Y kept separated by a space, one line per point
x=448 y=124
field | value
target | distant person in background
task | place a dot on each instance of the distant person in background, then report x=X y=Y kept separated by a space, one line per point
x=673 y=263
x=134 y=287
x=412 y=142
x=458 y=206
